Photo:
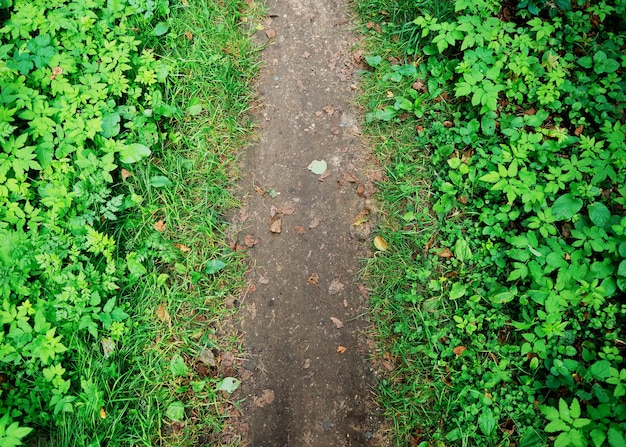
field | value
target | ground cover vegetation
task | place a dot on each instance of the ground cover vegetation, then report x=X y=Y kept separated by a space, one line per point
x=501 y=297
x=118 y=121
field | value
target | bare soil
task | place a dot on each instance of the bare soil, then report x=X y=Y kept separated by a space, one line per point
x=306 y=376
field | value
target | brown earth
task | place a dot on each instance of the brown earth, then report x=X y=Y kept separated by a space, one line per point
x=307 y=380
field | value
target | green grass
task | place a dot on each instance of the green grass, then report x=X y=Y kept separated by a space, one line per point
x=177 y=309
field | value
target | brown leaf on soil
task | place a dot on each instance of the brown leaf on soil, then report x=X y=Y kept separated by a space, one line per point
x=313 y=279
x=337 y=322
x=270 y=33
x=300 y=229
x=334 y=130
x=183 y=248
x=125 y=174
x=162 y=314
x=263 y=280
x=273 y=211
x=188 y=35
x=250 y=241
x=276 y=224
x=319 y=113
x=376 y=175
x=314 y=223
x=329 y=109
x=324 y=176
x=335 y=287
x=445 y=253
x=341 y=349
x=448 y=123
x=579 y=130
x=350 y=177
x=259 y=190
x=266 y=398
x=459 y=350
x=251 y=289
x=530 y=111
x=360 y=190
x=429 y=244
x=363 y=290
x=159 y=225
x=362 y=217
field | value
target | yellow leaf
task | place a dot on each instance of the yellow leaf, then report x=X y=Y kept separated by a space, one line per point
x=363 y=216
x=103 y=413
x=380 y=243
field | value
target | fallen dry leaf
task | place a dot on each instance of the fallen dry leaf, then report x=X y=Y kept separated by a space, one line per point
x=266 y=398
x=183 y=248
x=314 y=223
x=363 y=216
x=263 y=280
x=363 y=290
x=300 y=229
x=159 y=225
x=375 y=26
x=251 y=288
x=337 y=322
x=579 y=130
x=162 y=314
x=319 y=113
x=419 y=86
x=108 y=346
x=276 y=224
x=345 y=303
x=380 y=243
x=273 y=211
x=448 y=123
x=341 y=349
x=250 y=241
x=313 y=279
x=329 y=109
x=287 y=210
x=429 y=244
x=270 y=33
x=325 y=175
x=125 y=174
x=445 y=253
x=103 y=414
x=259 y=190
x=360 y=190
x=188 y=35
x=207 y=357
x=459 y=350
x=335 y=287
x=376 y=175
x=184 y=2
x=350 y=177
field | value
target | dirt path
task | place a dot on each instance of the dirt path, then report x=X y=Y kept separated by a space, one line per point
x=307 y=380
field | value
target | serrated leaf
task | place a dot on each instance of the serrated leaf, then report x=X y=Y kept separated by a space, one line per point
x=599 y=214
x=318 y=167
x=160 y=181
x=214 y=266
x=175 y=411
x=229 y=384
x=550 y=413
x=600 y=369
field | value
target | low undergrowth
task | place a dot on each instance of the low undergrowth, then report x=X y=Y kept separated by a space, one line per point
x=501 y=300
x=118 y=121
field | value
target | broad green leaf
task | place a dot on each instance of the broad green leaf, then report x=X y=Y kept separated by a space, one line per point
x=195 y=107
x=132 y=153
x=159 y=181
x=492 y=177
x=135 y=268
x=621 y=270
x=177 y=366
x=110 y=125
x=160 y=29
x=616 y=436
x=387 y=114
x=550 y=413
x=462 y=250
x=556 y=426
x=229 y=384
x=599 y=214
x=457 y=291
x=487 y=422
x=175 y=411
x=566 y=206
x=601 y=369
x=598 y=436
x=214 y=266
x=575 y=409
x=318 y=167
x=373 y=61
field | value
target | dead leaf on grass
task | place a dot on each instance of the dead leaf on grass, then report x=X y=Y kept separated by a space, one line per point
x=314 y=223
x=376 y=175
x=341 y=349
x=276 y=224
x=162 y=314
x=207 y=357
x=125 y=174
x=103 y=413
x=300 y=229
x=419 y=86
x=337 y=322
x=335 y=287
x=183 y=248
x=459 y=350
x=577 y=132
x=188 y=35
x=363 y=216
x=380 y=243
x=159 y=225
x=313 y=279
x=108 y=346
x=445 y=253
x=266 y=398
x=375 y=26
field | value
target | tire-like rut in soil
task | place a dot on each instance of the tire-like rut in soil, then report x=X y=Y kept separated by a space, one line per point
x=307 y=381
